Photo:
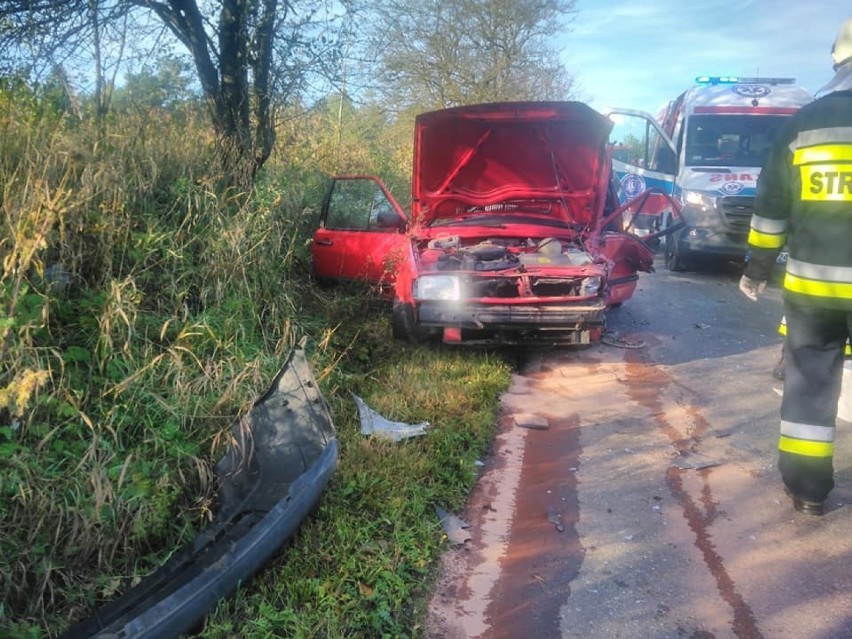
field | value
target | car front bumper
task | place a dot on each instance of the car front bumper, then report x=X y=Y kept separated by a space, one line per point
x=579 y=323
x=714 y=242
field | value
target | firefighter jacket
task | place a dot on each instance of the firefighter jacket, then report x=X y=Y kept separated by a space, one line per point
x=804 y=200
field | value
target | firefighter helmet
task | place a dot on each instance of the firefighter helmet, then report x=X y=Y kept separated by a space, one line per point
x=842 y=49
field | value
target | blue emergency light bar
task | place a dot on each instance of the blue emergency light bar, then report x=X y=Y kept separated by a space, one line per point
x=732 y=79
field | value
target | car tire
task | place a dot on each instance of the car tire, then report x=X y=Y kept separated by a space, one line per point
x=676 y=260
x=404 y=326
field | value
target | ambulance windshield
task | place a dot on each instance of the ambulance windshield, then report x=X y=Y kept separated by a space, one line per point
x=731 y=140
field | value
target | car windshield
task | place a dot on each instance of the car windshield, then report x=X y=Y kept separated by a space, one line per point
x=731 y=140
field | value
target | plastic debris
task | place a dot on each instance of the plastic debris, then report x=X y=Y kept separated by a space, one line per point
x=454 y=528
x=534 y=422
x=694 y=461
x=372 y=423
x=614 y=339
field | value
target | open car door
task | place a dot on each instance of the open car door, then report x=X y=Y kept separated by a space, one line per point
x=361 y=229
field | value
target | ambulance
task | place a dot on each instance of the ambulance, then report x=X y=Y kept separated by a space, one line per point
x=705 y=149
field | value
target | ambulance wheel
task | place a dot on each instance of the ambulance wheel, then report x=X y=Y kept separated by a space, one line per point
x=676 y=259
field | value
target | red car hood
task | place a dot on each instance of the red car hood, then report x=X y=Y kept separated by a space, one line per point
x=546 y=158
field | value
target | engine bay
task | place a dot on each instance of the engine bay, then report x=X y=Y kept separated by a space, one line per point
x=451 y=253
x=516 y=268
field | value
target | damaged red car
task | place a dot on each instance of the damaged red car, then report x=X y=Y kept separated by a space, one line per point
x=514 y=236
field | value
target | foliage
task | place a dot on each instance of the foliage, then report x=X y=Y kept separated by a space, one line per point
x=250 y=58
x=436 y=54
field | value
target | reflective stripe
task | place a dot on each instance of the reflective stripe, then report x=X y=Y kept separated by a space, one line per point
x=826 y=182
x=811 y=271
x=823 y=153
x=830 y=135
x=805 y=448
x=768 y=225
x=816 y=288
x=811 y=432
x=765 y=240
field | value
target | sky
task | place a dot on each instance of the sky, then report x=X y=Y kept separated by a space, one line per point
x=640 y=54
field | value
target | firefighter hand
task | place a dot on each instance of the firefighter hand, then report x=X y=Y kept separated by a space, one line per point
x=752 y=289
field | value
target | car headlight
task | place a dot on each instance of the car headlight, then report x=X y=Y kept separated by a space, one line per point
x=697 y=198
x=437 y=288
x=591 y=285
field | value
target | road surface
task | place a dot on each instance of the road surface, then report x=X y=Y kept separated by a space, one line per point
x=632 y=492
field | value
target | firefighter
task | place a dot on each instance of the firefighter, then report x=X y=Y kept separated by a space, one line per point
x=804 y=199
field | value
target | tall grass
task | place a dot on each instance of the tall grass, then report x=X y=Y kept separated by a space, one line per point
x=139 y=311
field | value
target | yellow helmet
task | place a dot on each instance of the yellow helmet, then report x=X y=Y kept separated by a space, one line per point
x=842 y=49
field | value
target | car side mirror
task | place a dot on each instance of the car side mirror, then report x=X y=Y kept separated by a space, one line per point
x=390 y=220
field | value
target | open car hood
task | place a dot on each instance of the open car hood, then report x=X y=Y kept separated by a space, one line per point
x=544 y=159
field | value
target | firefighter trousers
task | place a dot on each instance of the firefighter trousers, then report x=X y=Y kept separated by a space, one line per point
x=816 y=340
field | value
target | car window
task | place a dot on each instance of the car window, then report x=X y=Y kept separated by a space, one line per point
x=381 y=206
x=355 y=205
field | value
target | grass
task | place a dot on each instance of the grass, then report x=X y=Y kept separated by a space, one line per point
x=140 y=312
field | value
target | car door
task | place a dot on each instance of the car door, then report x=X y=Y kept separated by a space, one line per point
x=361 y=232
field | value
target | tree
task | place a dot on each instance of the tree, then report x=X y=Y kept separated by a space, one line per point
x=249 y=55
x=435 y=54
x=163 y=85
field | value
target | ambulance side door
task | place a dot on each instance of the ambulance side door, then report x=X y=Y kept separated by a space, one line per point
x=643 y=157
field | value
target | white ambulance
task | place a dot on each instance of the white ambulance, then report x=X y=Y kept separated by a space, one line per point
x=706 y=149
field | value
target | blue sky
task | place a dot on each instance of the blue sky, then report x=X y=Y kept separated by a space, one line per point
x=642 y=53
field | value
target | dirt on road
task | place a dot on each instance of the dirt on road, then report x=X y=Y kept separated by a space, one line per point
x=633 y=492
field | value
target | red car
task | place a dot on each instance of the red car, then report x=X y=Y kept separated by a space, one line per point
x=514 y=235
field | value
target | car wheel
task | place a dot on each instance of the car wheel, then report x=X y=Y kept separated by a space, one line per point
x=404 y=326
x=676 y=259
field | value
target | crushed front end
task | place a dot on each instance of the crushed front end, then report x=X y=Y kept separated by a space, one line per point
x=509 y=290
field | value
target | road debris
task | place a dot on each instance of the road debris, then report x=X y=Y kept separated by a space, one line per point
x=614 y=339
x=555 y=518
x=454 y=528
x=694 y=461
x=534 y=422
x=372 y=423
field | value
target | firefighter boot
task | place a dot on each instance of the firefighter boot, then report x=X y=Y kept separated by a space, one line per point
x=813 y=508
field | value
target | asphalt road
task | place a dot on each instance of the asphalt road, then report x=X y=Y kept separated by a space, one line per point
x=632 y=492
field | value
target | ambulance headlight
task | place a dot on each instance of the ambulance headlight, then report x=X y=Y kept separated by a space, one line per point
x=437 y=288
x=697 y=198
x=591 y=285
